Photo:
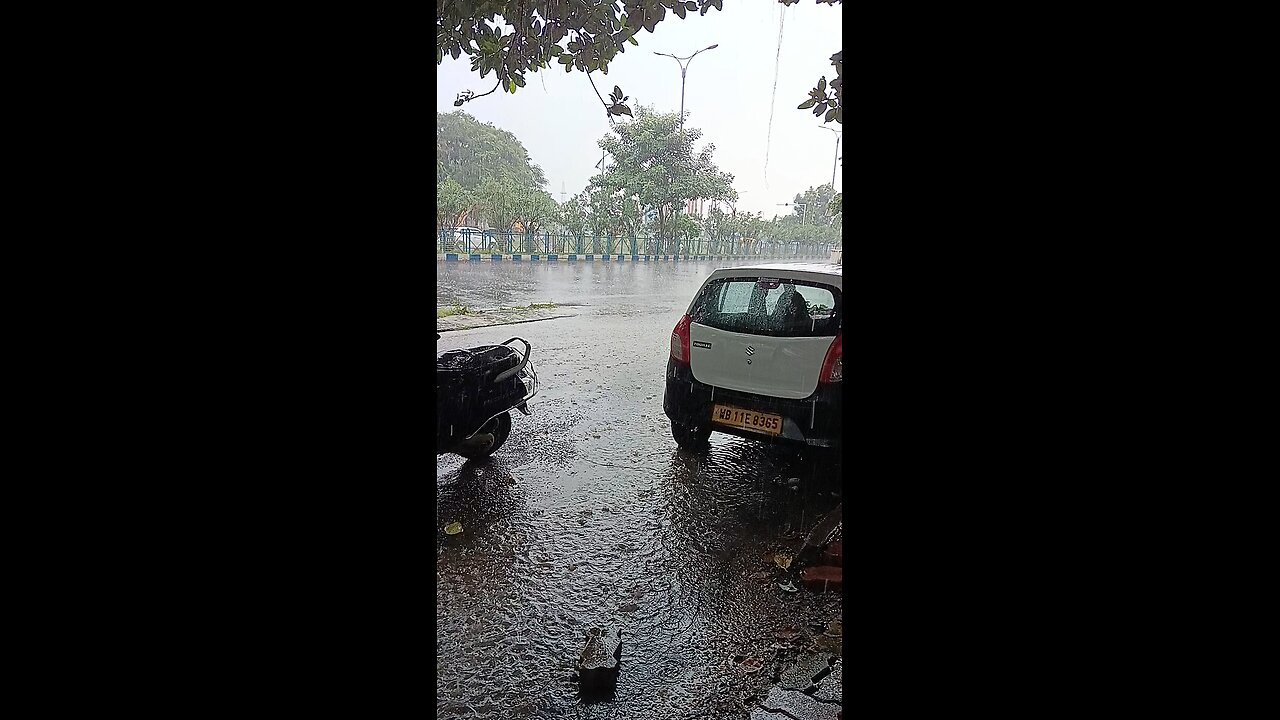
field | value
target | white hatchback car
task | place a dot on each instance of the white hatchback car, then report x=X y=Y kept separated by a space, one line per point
x=759 y=355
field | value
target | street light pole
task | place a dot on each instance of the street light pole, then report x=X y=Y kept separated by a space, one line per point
x=837 y=155
x=683 y=62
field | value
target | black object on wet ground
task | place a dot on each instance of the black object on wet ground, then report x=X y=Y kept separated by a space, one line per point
x=599 y=663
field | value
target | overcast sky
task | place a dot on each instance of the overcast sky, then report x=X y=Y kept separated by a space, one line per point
x=727 y=94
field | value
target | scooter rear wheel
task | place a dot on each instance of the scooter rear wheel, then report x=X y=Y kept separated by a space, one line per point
x=499 y=428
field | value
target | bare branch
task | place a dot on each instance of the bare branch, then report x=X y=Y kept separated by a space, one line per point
x=467 y=96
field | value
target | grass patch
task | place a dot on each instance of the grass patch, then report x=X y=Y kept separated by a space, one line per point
x=455 y=310
x=532 y=306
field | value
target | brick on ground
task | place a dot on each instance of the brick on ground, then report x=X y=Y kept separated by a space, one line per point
x=834 y=554
x=823 y=578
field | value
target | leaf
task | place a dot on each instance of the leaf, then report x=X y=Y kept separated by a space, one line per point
x=511 y=86
x=617 y=93
x=822 y=85
x=624 y=110
x=633 y=40
x=565 y=59
x=831 y=115
x=679 y=10
x=806 y=104
x=453 y=528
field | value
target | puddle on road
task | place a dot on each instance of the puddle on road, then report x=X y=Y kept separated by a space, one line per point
x=664 y=547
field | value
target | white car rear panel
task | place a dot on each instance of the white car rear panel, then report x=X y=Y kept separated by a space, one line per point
x=765 y=364
x=779 y=367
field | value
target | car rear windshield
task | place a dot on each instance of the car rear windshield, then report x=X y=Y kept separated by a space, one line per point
x=779 y=307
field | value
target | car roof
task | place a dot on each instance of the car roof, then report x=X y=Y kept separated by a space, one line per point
x=821 y=272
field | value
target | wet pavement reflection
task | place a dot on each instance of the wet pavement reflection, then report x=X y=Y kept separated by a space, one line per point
x=589 y=516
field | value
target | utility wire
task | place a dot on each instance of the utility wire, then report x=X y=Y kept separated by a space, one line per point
x=777 y=62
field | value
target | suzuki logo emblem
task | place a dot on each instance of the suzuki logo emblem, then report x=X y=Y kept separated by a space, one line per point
x=751 y=350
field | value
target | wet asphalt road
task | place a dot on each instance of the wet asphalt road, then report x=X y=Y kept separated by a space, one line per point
x=589 y=516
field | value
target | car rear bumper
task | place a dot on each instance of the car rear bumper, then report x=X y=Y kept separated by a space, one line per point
x=815 y=420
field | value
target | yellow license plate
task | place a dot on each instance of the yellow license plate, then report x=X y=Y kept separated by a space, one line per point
x=747 y=419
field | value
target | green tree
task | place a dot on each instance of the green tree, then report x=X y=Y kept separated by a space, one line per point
x=687 y=228
x=507 y=206
x=512 y=38
x=470 y=152
x=814 y=205
x=574 y=215
x=613 y=212
x=486 y=171
x=656 y=167
x=451 y=201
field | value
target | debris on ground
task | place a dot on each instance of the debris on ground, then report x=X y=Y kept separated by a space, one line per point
x=787 y=632
x=453 y=528
x=809 y=687
x=782 y=561
x=788 y=586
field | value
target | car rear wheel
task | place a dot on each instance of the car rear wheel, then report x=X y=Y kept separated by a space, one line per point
x=690 y=437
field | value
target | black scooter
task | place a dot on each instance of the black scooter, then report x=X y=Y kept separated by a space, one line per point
x=476 y=389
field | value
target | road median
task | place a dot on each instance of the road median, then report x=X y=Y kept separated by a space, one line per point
x=469 y=319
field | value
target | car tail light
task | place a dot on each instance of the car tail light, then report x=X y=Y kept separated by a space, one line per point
x=680 y=341
x=833 y=365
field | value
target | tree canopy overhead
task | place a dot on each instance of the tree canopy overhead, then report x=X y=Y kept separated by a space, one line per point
x=511 y=38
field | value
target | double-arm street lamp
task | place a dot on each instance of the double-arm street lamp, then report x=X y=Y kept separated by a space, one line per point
x=684 y=67
x=804 y=209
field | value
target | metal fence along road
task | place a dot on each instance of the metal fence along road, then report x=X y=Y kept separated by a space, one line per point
x=454 y=244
